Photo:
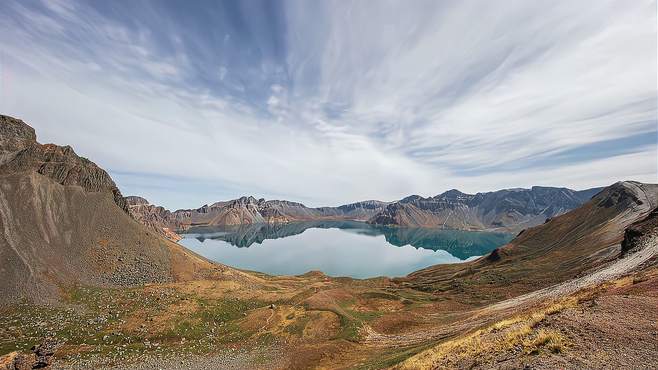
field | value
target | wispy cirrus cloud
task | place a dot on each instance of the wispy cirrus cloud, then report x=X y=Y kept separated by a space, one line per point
x=330 y=102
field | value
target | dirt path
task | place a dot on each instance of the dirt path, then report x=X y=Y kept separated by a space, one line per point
x=267 y=321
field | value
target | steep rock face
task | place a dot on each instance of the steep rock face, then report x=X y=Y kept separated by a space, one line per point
x=133 y=200
x=362 y=210
x=64 y=223
x=637 y=232
x=155 y=218
x=510 y=210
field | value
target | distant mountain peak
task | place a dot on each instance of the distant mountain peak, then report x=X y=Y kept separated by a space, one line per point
x=452 y=194
x=410 y=198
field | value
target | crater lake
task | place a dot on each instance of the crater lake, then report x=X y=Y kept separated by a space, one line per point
x=338 y=248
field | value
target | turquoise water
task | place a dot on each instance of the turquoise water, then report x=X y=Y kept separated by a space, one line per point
x=338 y=248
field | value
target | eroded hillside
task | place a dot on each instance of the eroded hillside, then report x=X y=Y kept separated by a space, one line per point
x=65 y=223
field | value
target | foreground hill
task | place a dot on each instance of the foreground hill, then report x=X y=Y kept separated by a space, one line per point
x=510 y=209
x=64 y=222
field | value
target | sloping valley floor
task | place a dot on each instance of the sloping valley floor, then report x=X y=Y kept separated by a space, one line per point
x=606 y=319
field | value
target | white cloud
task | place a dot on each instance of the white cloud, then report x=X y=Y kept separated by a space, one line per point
x=380 y=100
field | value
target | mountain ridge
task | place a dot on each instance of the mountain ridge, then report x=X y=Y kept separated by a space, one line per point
x=246 y=210
x=507 y=209
x=513 y=210
x=581 y=239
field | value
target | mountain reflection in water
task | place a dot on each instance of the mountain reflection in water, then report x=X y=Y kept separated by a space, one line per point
x=459 y=243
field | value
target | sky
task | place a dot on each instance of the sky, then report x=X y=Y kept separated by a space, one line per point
x=330 y=102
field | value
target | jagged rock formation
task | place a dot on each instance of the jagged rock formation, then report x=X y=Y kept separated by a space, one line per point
x=16 y=135
x=637 y=232
x=21 y=152
x=155 y=218
x=567 y=246
x=245 y=211
x=64 y=222
x=509 y=210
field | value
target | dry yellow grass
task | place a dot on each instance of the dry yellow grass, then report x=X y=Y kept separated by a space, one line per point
x=549 y=339
x=516 y=336
x=515 y=332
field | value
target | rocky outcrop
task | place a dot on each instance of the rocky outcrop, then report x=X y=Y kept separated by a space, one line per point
x=18 y=361
x=22 y=153
x=637 y=232
x=15 y=135
x=40 y=358
x=155 y=218
x=509 y=210
x=133 y=200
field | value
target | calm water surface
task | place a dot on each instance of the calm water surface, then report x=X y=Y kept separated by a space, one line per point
x=338 y=248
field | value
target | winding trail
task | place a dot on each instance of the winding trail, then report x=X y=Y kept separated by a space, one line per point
x=267 y=321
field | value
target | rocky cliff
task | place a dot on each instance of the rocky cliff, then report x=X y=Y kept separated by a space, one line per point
x=509 y=210
x=638 y=232
x=22 y=153
x=154 y=217
x=65 y=223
